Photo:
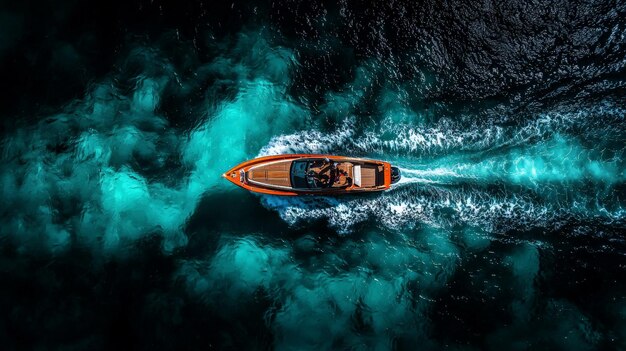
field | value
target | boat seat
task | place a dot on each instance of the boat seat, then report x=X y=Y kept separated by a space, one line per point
x=356 y=175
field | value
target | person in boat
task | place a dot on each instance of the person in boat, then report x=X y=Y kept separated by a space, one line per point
x=326 y=172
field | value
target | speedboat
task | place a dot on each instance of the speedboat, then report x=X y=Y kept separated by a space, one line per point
x=306 y=174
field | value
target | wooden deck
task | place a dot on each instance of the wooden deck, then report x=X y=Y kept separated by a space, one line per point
x=277 y=174
x=368 y=176
x=273 y=174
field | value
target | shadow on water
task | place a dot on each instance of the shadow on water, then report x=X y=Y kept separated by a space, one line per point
x=236 y=211
x=239 y=213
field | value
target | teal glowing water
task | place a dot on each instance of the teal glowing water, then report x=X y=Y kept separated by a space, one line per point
x=112 y=170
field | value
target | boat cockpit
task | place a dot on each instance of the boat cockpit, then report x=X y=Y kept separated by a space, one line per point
x=320 y=174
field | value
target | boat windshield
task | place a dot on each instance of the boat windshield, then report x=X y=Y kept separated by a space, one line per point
x=298 y=174
x=310 y=174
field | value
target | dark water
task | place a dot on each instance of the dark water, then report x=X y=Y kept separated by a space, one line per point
x=506 y=232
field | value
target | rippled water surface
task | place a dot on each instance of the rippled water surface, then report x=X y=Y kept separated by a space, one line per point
x=506 y=231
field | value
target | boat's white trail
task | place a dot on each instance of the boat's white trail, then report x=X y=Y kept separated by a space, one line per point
x=429 y=176
x=539 y=174
x=440 y=207
x=310 y=141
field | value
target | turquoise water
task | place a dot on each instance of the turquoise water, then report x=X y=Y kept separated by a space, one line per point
x=505 y=232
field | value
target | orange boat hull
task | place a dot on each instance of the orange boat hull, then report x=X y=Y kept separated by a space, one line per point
x=256 y=175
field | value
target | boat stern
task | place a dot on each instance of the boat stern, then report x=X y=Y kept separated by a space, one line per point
x=395 y=175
